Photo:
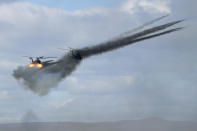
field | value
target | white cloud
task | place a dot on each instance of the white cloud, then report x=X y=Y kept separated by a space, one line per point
x=129 y=6
x=5 y=64
x=102 y=84
x=32 y=30
x=155 y=6
x=3 y=95
x=27 y=24
x=148 y=6
x=91 y=11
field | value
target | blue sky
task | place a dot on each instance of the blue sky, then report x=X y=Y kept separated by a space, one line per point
x=75 y=4
x=154 y=78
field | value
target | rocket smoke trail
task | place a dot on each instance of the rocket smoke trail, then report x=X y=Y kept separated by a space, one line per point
x=41 y=81
x=142 y=26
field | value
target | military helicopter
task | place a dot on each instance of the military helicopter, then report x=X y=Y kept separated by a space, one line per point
x=38 y=63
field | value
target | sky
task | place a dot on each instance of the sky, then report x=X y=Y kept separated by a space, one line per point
x=153 y=78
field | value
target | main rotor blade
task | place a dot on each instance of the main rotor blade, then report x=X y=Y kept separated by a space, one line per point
x=48 y=57
x=26 y=56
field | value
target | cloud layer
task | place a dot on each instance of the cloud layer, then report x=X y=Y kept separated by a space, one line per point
x=158 y=76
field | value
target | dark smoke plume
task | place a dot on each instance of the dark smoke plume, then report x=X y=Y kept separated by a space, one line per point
x=41 y=81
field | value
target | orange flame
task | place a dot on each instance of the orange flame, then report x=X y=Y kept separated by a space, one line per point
x=31 y=65
x=39 y=66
